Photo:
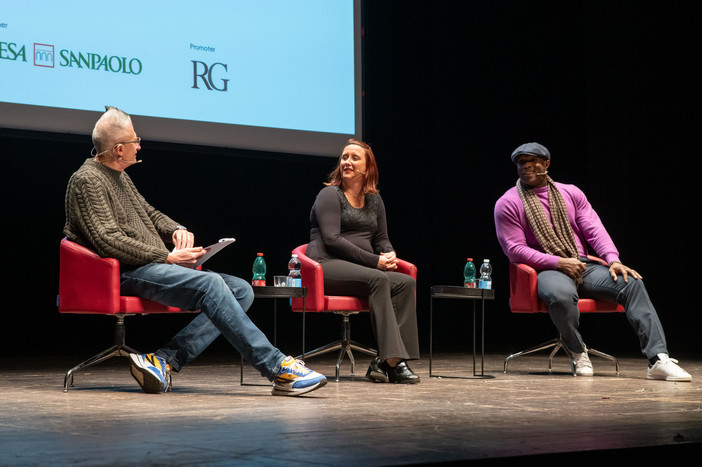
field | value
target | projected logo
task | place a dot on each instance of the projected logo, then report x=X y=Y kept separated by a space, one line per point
x=44 y=55
x=12 y=51
x=210 y=76
x=99 y=62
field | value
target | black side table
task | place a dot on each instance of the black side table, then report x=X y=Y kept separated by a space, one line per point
x=462 y=293
x=275 y=293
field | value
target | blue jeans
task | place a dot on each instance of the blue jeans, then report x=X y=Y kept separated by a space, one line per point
x=561 y=295
x=222 y=300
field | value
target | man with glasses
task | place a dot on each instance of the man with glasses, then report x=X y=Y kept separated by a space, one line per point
x=105 y=212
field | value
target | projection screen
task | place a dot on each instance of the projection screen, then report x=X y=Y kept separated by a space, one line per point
x=270 y=75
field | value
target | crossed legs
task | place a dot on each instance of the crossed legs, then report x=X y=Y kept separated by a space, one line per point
x=223 y=301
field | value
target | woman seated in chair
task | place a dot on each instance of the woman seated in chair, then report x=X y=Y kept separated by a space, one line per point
x=349 y=238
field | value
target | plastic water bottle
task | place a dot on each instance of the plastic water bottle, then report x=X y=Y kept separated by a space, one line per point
x=259 y=271
x=469 y=274
x=294 y=274
x=485 y=281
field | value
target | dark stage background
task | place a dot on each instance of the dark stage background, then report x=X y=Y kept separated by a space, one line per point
x=451 y=88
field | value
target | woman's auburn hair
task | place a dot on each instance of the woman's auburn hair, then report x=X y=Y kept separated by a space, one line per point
x=370 y=179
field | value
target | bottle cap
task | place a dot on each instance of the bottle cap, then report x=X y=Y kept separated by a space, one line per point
x=486 y=261
x=294 y=255
x=259 y=254
x=470 y=259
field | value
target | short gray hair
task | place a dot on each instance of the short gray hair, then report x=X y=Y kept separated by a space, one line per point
x=108 y=126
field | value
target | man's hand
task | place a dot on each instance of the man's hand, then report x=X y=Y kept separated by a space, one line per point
x=617 y=268
x=186 y=256
x=571 y=267
x=183 y=239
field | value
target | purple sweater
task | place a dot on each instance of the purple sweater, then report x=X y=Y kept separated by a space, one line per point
x=519 y=243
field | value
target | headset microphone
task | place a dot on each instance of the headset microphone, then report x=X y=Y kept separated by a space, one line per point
x=537 y=173
x=358 y=171
x=129 y=162
x=94 y=153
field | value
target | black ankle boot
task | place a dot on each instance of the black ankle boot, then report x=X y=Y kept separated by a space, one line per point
x=401 y=373
x=375 y=372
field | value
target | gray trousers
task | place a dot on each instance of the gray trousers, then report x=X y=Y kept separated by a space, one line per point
x=561 y=295
x=391 y=299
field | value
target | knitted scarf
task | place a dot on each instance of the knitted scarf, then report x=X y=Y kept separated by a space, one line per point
x=557 y=239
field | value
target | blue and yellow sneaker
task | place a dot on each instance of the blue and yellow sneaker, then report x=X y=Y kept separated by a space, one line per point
x=295 y=378
x=151 y=372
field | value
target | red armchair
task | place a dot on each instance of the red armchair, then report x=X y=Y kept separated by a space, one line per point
x=523 y=298
x=316 y=301
x=90 y=284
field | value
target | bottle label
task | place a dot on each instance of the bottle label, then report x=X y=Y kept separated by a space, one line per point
x=294 y=282
x=258 y=282
x=469 y=285
x=484 y=284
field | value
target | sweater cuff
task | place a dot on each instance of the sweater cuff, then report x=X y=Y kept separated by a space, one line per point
x=612 y=258
x=552 y=262
x=161 y=256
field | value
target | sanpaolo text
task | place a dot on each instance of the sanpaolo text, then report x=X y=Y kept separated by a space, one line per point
x=94 y=61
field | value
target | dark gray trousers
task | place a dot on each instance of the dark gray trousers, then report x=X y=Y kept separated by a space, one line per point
x=561 y=295
x=391 y=299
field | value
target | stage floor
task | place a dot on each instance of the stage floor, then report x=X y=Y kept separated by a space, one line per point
x=210 y=419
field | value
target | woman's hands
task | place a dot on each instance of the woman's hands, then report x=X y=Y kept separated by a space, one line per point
x=387 y=261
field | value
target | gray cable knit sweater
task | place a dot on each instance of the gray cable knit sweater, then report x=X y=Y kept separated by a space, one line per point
x=105 y=212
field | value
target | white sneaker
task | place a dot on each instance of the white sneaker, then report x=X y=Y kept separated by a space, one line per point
x=666 y=368
x=583 y=366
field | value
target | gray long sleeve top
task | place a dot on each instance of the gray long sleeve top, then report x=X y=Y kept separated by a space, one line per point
x=342 y=231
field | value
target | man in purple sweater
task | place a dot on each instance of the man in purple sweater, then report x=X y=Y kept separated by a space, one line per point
x=548 y=226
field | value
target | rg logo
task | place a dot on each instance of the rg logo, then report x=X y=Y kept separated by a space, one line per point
x=202 y=71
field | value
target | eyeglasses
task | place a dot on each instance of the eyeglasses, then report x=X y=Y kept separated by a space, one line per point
x=136 y=141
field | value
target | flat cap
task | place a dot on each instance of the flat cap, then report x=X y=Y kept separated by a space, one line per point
x=535 y=149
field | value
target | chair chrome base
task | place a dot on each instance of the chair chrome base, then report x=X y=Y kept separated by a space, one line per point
x=119 y=349
x=558 y=344
x=345 y=345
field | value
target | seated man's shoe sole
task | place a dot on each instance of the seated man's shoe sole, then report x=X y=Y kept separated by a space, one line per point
x=150 y=372
x=298 y=392
x=671 y=378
